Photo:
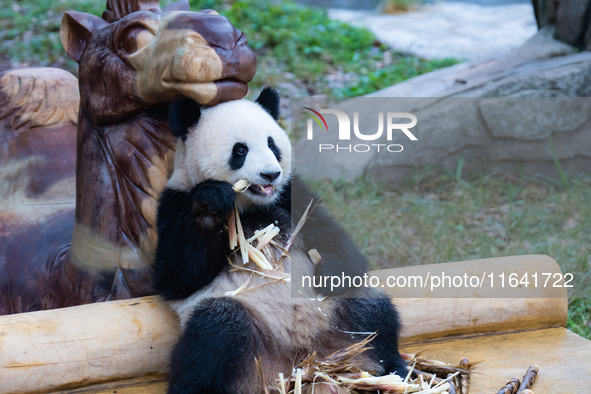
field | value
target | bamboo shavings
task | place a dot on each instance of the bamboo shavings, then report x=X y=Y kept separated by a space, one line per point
x=341 y=370
x=298 y=382
x=241 y=238
x=264 y=254
x=232 y=232
x=259 y=367
x=258 y=258
x=297 y=229
x=239 y=289
x=314 y=256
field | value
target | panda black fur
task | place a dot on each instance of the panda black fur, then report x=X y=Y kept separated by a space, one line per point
x=221 y=336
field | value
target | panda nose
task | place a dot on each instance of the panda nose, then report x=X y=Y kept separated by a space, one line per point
x=270 y=176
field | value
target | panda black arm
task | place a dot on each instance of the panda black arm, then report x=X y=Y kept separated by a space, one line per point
x=338 y=251
x=192 y=244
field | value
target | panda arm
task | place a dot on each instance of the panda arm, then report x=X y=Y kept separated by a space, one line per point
x=321 y=232
x=192 y=244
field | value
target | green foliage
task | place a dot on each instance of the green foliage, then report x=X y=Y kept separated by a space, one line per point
x=579 y=317
x=30 y=33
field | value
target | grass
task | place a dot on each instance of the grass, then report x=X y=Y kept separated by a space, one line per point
x=438 y=217
x=30 y=33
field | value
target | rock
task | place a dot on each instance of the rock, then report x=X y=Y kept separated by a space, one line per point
x=571 y=18
x=516 y=114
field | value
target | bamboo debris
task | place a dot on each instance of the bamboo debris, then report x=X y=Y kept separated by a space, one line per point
x=341 y=370
x=298 y=382
x=528 y=378
x=297 y=229
x=464 y=378
x=232 y=232
x=239 y=289
x=241 y=239
x=263 y=255
x=259 y=366
x=511 y=386
x=314 y=256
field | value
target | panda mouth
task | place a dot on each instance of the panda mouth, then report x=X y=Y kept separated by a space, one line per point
x=262 y=190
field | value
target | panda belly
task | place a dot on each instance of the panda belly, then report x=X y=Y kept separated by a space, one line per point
x=292 y=322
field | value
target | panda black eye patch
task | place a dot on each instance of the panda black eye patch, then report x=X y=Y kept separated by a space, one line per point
x=239 y=152
x=274 y=149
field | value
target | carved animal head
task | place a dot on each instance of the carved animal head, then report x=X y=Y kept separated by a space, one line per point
x=138 y=55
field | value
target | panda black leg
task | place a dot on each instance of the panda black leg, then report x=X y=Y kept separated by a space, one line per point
x=216 y=349
x=376 y=315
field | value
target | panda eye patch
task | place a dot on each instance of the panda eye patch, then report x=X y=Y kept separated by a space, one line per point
x=238 y=157
x=239 y=149
x=273 y=147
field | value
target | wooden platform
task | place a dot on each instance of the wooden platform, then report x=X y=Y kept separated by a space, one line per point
x=564 y=369
x=122 y=346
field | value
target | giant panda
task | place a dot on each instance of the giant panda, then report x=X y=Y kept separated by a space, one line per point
x=222 y=335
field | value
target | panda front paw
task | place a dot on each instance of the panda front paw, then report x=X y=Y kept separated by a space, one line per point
x=212 y=202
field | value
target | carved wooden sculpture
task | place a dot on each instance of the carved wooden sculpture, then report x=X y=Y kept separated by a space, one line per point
x=133 y=62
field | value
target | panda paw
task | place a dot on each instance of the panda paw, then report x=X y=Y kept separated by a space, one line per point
x=212 y=202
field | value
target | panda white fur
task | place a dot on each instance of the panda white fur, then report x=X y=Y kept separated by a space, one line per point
x=221 y=336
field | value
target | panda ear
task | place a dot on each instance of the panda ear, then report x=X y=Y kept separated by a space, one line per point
x=269 y=100
x=183 y=114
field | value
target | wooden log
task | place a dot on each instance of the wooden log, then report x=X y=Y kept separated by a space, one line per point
x=83 y=345
x=467 y=311
x=70 y=347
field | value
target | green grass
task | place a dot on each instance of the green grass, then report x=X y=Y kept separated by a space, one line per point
x=438 y=217
x=30 y=33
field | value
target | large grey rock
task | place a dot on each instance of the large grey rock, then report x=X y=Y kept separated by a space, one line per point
x=517 y=114
x=571 y=18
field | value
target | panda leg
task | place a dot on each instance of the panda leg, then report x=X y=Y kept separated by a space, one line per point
x=376 y=315
x=216 y=352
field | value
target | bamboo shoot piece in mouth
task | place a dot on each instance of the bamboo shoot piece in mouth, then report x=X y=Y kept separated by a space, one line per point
x=241 y=186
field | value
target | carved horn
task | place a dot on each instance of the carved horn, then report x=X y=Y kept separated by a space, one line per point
x=117 y=9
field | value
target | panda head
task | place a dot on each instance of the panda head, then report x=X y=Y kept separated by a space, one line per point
x=231 y=141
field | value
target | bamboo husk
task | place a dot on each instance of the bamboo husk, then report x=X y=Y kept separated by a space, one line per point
x=528 y=378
